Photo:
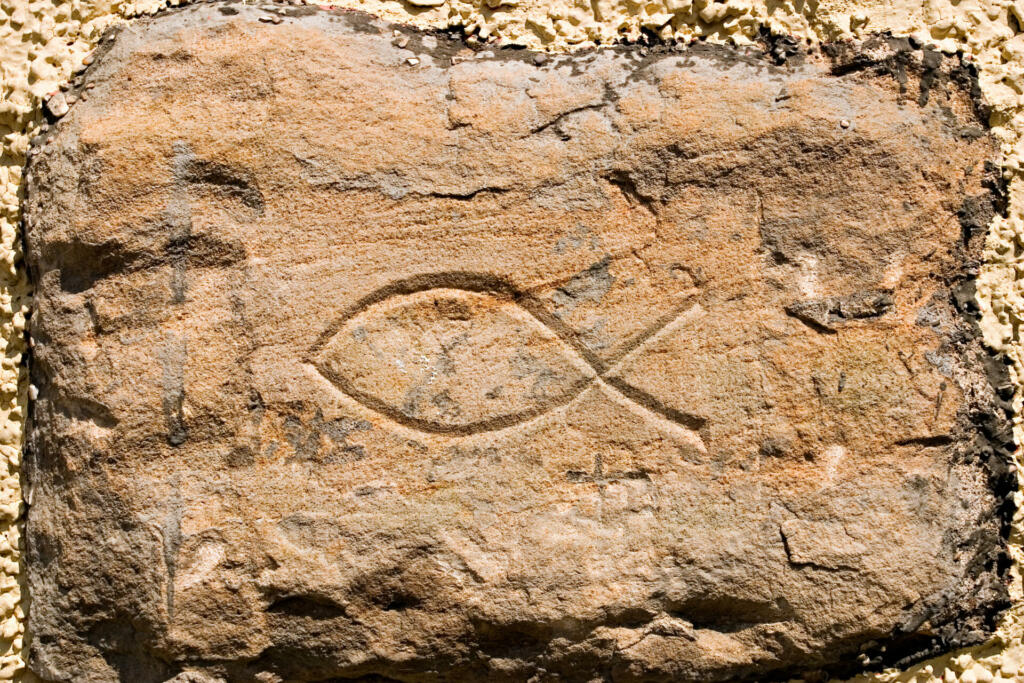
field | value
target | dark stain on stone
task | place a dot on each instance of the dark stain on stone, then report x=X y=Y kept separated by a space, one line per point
x=178 y=216
x=781 y=48
x=307 y=439
x=902 y=58
x=589 y=285
x=975 y=215
x=931 y=74
x=190 y=173
x=83 y=264
x=988 y=416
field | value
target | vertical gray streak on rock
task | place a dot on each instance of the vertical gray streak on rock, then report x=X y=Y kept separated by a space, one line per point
x=171 y=532
x=179 y=220
x=172 y=358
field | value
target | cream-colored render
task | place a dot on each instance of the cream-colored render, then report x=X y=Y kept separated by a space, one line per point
x=44 y=43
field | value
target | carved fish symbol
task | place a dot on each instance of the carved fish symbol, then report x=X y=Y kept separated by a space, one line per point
x=462 y=353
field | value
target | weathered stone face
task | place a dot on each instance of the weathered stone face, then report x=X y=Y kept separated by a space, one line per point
x=613 y=367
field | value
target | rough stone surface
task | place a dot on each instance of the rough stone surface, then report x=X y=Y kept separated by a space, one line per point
x=358 y=360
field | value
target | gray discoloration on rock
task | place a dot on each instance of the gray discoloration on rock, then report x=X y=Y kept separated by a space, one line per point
x=590 y=285
x=333 y=384
x=173 y=356
x=179 y=219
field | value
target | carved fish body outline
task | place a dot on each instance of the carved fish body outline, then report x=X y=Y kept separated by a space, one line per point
x=331 y=355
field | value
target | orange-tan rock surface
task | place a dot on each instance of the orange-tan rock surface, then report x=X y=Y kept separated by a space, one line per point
x=361 y=354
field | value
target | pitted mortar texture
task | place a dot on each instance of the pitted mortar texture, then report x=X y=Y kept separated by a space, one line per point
x=43 y=44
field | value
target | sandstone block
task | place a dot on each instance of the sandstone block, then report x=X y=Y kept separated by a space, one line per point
x=358 y=361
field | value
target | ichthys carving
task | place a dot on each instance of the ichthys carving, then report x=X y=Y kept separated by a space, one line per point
x=462 y=353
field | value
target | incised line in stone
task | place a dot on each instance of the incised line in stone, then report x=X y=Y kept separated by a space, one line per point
x=484 y=283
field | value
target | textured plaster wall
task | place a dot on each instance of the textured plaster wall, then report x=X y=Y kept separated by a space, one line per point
x=44 y=43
